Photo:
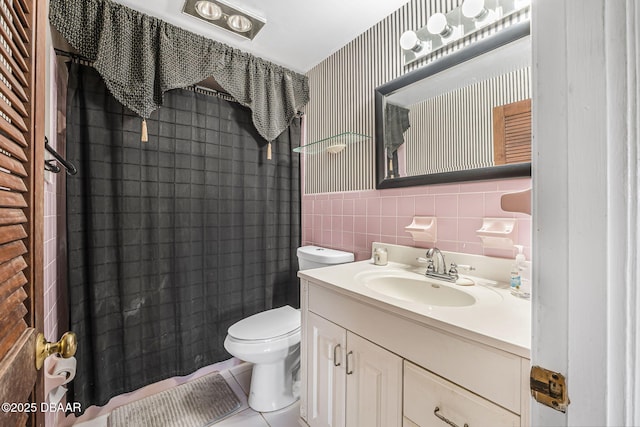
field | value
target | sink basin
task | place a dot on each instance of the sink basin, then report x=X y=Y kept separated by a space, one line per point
x=416 y=289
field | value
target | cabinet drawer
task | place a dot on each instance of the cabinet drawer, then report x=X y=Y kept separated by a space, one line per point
x=424 y=392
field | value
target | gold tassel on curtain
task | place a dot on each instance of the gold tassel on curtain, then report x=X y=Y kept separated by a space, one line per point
x=269 y=151
x=144 y=137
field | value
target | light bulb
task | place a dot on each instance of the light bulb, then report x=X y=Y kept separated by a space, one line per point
x=208 y=10
x=437 y=24
x=239 y=23
x=474 y=9
x=409 y=40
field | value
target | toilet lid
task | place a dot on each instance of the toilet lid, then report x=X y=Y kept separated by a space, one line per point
x=267 y=324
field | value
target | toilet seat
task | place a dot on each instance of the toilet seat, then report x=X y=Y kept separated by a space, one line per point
x=274 y=324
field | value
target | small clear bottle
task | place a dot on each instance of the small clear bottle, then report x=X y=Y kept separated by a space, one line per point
x=517 y=273
x=515 y=280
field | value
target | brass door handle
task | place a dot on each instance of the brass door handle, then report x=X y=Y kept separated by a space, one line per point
x=66 y=347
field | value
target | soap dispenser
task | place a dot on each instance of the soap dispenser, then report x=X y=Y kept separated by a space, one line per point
x=517 y=271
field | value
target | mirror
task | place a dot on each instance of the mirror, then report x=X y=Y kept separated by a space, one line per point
x=464 y=117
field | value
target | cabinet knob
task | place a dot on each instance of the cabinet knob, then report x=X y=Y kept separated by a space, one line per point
x=349 y=370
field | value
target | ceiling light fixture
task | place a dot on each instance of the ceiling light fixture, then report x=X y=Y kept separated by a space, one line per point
x=225 y=16
x=239 y=23
x=208 y=10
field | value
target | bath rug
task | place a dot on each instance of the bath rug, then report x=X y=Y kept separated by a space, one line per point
x=197 y=403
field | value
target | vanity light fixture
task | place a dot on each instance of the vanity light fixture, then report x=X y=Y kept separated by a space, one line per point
x=225 y=16
x=520 y=4
x=445 y=28
x=437 y=24
x=476 y=10
x=409 y=40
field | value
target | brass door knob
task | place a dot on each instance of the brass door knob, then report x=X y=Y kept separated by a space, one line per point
x=66 y=347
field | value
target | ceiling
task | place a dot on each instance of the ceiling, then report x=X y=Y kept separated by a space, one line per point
x=299 y=33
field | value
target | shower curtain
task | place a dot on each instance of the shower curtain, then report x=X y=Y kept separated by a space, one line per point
x=173 y=240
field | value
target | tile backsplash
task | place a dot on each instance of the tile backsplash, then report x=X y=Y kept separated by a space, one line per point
x=351 y=221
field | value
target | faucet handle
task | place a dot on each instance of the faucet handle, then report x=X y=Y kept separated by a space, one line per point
x=453 y=270
x=430 y=267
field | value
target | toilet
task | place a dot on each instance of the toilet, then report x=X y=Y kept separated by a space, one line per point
x=271 y=341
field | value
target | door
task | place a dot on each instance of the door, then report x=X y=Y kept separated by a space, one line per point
x=326 y=346
x=374 y=384
x=585 y=300
x=22 y=71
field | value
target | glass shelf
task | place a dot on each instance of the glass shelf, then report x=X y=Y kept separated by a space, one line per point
x=333 y=144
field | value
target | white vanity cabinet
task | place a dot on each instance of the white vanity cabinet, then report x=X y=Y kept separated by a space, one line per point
x=349 y=380
x=400 y=368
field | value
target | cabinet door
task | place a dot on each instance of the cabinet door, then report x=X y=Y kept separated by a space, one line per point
x=432 y=401
x=326 y=346
x=374 y=384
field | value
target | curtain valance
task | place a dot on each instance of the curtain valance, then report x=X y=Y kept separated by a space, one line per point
x=141 y=57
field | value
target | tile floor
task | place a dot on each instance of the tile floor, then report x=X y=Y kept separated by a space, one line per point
x=239 y=378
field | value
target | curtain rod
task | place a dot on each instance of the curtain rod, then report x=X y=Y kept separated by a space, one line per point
x=223 y=95
x=75 y=57
x=83 y=60
x=211 y=92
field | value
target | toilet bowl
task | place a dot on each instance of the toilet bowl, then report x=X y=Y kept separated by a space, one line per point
x=271 y=341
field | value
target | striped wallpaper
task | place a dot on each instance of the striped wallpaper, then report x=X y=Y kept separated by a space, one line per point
x=342 y=94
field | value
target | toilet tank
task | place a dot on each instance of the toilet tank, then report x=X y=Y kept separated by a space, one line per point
x=315 y=257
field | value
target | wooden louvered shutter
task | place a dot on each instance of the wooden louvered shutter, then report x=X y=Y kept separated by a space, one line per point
x=22 y=74
x=512 y=133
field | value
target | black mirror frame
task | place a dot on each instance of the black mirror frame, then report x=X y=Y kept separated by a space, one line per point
x=502 y=38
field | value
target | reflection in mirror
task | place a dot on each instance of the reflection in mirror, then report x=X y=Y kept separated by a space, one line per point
x=466 y=116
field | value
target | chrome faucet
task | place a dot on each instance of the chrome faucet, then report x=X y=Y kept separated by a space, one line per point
x=437 y=263
x=437 y=267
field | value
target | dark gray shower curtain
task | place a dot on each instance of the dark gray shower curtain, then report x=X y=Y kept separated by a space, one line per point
x=173 y=240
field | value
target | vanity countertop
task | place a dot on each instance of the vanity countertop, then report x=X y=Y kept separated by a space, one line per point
x=497 y=319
